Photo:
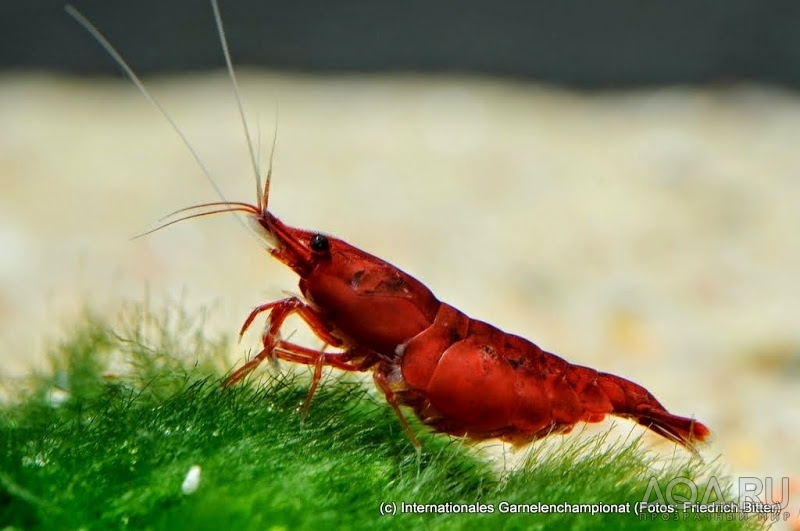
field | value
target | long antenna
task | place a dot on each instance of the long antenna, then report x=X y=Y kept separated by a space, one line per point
x=265 y=195
x=226 y=52
x=109 y=48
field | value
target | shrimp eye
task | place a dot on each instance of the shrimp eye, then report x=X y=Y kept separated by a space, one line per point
x=319 y=243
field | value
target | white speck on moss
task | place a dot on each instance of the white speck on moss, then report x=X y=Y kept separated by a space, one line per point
x=191 y=481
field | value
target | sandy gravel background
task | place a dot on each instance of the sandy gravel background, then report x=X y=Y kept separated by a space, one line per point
x=653 y=234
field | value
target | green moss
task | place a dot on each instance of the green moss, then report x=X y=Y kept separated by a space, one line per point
x=136 y=406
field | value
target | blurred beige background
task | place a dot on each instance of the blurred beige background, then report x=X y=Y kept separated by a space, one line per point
x=651 y=234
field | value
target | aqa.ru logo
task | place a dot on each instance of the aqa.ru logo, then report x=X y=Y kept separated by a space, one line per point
x=755 y=496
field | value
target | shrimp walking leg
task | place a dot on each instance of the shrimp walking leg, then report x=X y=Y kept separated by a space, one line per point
x=383 y=384
x=318 y=358
x=282 y=309
x=279 y=311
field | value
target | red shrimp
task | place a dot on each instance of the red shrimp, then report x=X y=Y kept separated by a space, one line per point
x=459 y=375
